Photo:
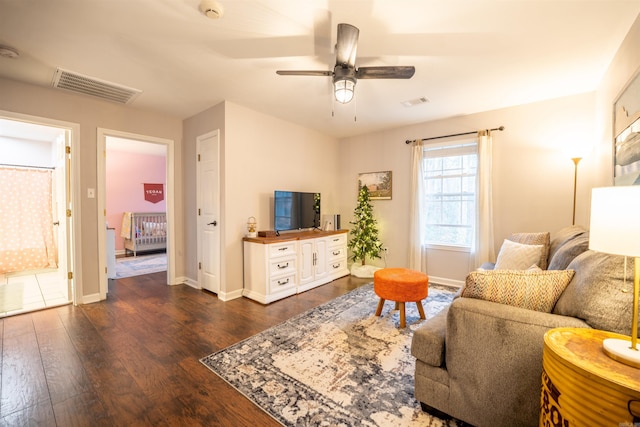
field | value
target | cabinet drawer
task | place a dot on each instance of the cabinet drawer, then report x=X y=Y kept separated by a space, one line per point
x=337 y=240
x=282 y=249
x=278 y=267
x=283 y=283
x=334 y=254
x=337 y=265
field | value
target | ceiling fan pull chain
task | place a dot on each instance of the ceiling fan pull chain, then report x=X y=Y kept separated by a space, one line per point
x=355 y=110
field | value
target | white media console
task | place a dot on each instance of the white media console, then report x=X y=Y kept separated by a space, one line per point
x=281 y=266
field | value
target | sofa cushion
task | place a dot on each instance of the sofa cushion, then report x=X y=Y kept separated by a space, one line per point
x=428 y=341
x=598 y=293
x=517 y=256
x=541 y=238
x=531 y=289
x=563 y=236
x=568 y=251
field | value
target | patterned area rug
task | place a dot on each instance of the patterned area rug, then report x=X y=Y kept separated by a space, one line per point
x=334 y=365
x=142 y=264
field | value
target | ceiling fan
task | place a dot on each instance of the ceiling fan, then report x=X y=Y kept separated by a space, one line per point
x=345 y=74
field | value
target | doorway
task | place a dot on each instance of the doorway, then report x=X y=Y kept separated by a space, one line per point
x=33 y=147
x=166 y=146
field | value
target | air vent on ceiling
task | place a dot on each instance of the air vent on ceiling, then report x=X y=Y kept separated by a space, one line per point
x=417 y=101
x=79 y=83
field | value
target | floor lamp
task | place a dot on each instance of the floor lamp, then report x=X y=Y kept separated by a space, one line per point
x=576 y=160
x=615 y=229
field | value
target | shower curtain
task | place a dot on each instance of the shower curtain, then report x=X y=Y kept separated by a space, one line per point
x=26 y=220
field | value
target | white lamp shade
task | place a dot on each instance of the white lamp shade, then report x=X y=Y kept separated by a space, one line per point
x=615 y=220
x=344 y=90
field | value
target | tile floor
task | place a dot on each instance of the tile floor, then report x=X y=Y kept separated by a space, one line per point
x=21 y=293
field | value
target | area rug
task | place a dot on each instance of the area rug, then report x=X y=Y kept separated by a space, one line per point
x=141 y=264
x=334 y=365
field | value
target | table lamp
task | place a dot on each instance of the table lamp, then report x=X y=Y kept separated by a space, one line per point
x=615 y=229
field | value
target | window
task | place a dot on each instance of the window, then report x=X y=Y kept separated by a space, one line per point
x=449 y=173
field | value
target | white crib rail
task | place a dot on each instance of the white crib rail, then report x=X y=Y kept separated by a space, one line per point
x=149 y=231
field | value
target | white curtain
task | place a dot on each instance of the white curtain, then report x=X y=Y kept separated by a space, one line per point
x=26 y=220
x=417 y=253
x=482 y=249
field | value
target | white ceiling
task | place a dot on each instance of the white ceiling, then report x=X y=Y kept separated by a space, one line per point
x=470 y=56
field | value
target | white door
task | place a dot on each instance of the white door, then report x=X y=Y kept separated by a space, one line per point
x=61 y=198
x=208 y=228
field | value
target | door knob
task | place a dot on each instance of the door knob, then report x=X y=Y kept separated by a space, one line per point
x=214 y=223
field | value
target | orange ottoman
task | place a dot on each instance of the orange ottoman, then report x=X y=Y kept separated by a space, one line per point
x=401 y=285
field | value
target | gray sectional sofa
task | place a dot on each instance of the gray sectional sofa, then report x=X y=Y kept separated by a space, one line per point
x=480 y=361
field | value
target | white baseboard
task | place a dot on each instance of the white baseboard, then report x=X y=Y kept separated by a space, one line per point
x=89 y=299
x=189 y=282
x=446 y=282
x=227 y=296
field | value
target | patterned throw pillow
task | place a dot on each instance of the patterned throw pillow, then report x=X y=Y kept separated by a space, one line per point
x=540 y=238
x=516 y=256
x=531 y=289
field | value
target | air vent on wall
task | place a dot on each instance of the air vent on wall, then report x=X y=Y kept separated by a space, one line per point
x=79 y=83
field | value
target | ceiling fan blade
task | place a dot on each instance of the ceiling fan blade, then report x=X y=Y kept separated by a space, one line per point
x=304 y=73
x=346 y=45
x=388 y=72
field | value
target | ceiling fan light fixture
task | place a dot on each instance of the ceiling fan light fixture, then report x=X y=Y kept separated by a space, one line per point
x=343 y=89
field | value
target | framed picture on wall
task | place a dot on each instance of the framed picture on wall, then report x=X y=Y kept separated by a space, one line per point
x=626 y=126
x=378 y=183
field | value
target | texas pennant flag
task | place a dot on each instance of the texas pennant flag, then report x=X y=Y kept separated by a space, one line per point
x=154 y=193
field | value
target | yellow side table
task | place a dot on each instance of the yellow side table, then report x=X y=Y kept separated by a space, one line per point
x=582 y=386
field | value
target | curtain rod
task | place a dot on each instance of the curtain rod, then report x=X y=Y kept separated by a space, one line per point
x=408 y=141
x=26 y=167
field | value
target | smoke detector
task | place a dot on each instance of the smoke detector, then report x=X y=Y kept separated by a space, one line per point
x=212 y=9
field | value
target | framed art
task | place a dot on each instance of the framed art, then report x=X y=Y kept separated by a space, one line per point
x=626 y=125
x=378 y=183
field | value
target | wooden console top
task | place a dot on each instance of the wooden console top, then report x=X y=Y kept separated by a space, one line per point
x=295 y=235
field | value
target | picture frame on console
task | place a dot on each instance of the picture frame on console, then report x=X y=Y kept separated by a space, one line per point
x=380 y=184
x=626 y=129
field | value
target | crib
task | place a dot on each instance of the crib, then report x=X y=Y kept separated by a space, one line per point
x=144 y=231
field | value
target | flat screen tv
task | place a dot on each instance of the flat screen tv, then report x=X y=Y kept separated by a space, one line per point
x=293 y=210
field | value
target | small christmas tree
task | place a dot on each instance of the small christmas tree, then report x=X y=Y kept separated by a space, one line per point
x=364 y=242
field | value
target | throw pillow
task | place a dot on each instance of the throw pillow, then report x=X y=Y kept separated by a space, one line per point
x=530 y=289
x=516 y=256
x=569 y=251
x=541 y=238
x=599 y=293
x=563 y=236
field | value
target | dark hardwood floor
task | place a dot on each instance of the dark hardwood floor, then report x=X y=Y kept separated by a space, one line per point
x=133 y=360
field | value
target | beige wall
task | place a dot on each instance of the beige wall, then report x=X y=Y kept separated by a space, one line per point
x=92 y=114
x=533 y=178
x=624 y=66
x=260 y=154
x=532 y=184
